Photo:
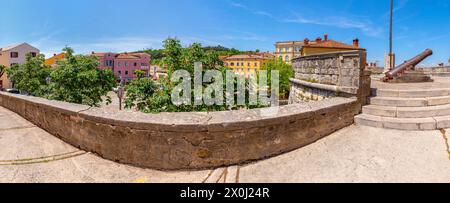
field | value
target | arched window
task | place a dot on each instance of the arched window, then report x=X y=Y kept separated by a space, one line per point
x=232 y=64
x=287 y=58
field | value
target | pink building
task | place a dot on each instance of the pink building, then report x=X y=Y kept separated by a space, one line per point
x=124 y=65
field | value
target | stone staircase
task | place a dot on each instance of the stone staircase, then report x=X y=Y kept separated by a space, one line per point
x=407 y=109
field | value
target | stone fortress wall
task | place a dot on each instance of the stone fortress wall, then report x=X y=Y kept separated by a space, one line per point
x=441 y=71
x=175 y=141
x=323 y=76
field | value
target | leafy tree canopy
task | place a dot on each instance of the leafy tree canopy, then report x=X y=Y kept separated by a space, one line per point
x=78 y=80
x=30 y=77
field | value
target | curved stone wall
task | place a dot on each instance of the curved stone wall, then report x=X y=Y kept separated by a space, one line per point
x=171 y=141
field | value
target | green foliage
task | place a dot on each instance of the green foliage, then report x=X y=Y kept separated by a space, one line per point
x=2 y=70
x=78 y=80
x=173 y=52
x=138 y=93
x=139 y=73
x=30 y=77
x=285 y=73
x=144 y=95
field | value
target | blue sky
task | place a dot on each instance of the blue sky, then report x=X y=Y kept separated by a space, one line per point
x=119 y=25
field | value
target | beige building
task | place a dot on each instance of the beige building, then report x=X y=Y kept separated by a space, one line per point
x=15 y=54
x=288 y=50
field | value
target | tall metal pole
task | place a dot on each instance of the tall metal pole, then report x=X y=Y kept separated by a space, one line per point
x=390 y=36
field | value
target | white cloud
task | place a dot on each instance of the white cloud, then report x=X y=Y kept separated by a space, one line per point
x=340 y=22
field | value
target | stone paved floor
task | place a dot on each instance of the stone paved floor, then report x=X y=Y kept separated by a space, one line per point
x=439 y=82
x=353 y=154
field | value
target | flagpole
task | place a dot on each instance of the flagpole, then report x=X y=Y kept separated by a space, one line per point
x=390 y=36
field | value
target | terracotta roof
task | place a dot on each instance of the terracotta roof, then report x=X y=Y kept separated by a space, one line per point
x=297 y=43
x=123 y=56
x=332 y=44
x=261 y=56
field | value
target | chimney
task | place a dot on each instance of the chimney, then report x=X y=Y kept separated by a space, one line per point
x=306 y=41
x=356 y=42
x=325 y=37
x=319 y=40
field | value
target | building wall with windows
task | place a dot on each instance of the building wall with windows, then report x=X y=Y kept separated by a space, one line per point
x=286 y=51
x=246 y=64
x=124 y=65
x=15 y=54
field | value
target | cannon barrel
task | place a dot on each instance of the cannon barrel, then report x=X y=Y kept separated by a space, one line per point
x=409 y=64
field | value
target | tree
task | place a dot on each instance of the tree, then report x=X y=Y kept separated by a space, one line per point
x=285 y=73
x=78 y=80
x=139 y=73
x=32 y=76
x=2 y=70
x=173 y=55
x=139 y=92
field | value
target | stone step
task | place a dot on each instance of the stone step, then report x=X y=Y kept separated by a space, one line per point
x=431 y=123
x=416 y=93
x=410 y=102
x=407 y=112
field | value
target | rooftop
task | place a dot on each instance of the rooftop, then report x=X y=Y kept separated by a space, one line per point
x=261 y=56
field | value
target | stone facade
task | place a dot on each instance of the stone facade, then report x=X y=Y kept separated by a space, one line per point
x=322 y=76
x=172 y=141
x=441 y=71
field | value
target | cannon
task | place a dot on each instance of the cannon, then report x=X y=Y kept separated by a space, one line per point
x=408 y=65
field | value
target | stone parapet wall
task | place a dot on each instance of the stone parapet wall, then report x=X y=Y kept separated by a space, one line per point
x=323 y=76
x=172 y=141
x=436 y=71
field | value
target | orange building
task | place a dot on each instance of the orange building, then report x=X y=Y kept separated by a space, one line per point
x=326 y=46
x=289 y=50
x=56 y=57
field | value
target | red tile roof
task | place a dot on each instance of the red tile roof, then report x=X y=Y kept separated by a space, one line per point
x=332 y=44
x=261 y=56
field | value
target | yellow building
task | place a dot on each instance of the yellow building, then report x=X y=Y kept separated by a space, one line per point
x=52 y=60
x=289 y=50
x=246 y=63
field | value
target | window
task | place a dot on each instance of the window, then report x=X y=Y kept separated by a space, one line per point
x=126 y=64
x=120 y=72
x=14 y=54
x=109 y=63
x=248 y=64
x=287 y=58
x=119 y=63
x=237 y=64
x=135 y=64
x=242 y=64
x=143 y=64
x=232 y=64
x=126 y=72
x=33 y=54
x=256 y=64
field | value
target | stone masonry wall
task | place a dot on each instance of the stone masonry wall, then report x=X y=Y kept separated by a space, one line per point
x=322 y=76
x=172 y=141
